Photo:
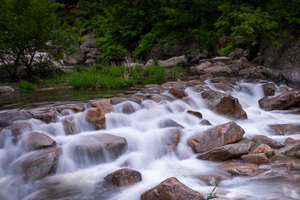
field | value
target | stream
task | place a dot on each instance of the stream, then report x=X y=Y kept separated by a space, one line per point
x=143 y=129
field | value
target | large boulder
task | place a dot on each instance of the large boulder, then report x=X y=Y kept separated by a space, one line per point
x=37 y=164
x=171 y=189
x=75 y=58
x=215 y=137
x=104 y=104
x=177 y=93
x=284 y=129
x=255 y=158
x=7 y=118
x=261 y=139
x=47 y=115
x=169 y=62
x=96 y=149
x=224 y=104
x=124 y=177
x=226 y=152
x=35 y=140
x=219 y=70
x=283 y=101
x=96 y=116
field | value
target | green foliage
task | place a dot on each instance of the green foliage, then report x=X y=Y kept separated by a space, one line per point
x=26 y=27
x=154 y=73
x=26 y=85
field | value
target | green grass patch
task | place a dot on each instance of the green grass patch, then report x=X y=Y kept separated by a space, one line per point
x=26 y=86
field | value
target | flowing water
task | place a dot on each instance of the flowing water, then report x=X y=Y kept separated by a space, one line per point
x=144 y=130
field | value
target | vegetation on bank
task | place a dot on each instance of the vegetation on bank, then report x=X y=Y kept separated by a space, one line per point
x=131 y=28
x=101 y=77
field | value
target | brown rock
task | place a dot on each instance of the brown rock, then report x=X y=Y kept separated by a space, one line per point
x=283 y=101
x=36 y=140
x=37 y=164
x=264 y=148
x=205 y=122
x=104 y=104
x=219 y=70
x=195 y=113
x=47 y=115
x=212 y=180
x=96 y=116
x=269 y=89
x=291 y=141
x=74 y=107
x=177 y=93
x=171 y=189
x=123 y=177
x=215 y=137
x=226 y=152
x=255 y=158
x=168 y=123
x=7 y=118
x=261 y=139
x=222 y=59
x=17 y=128
x=240 y=169
x=284 y=129
x=69 y=126
x=223 y=87
x=224 y=104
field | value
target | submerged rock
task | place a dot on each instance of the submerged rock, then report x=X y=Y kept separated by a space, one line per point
x=171 y=189
x=240 y=169
x=177 y=93
x=36 y=140
x=7 y=118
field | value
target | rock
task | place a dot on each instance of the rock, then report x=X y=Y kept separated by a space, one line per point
x=47 y=115
x=195 y=113
x=96 y=149
x=104 y=104
x=205 y=122
x=284 y=129
x=168 y=123
x=291 y=141
x=258 y=60
x=177 y=93
x=7 y=118
x=37 y=164
x=212 y=180
x=240 y=169
x=215 y=137
x=96 y=116
x=36 y=140
x=203 y=64
x=124 y=177
x=77 y=57
x=261 y=139
x=74 y=107
x=6 y=89
x=264 y=148
x=171 y=189
x=236 y=54
x=226 y=152
x=222 y=59
x=269 y=89
x=223 y=87
x=169 y=62
x=69 y=125
x=283 y=101
x=291 y=150
x=17 y=128
x=224 y=104
x=171 y=139
x=219 y=70
x=255 y=158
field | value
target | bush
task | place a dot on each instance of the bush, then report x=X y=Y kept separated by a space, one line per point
x=154 y=73
x=45 y=69
x=26 y=86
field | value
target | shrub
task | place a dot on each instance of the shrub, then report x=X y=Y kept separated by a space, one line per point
x=154 y=73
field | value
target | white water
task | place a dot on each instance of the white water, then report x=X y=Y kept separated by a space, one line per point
x=143 y=130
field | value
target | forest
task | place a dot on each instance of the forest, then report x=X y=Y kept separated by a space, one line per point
x=134 y=27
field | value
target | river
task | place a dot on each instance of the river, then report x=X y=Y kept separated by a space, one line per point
x=143 y=131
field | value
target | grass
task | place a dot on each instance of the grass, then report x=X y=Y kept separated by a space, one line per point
x=109 y=77
x=26 y=86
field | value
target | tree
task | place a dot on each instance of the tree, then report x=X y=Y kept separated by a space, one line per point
x=28 y=27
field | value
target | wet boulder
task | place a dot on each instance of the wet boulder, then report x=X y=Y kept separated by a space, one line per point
x=268 y=89
x=284 y=129
x=171 y=189
x=219 y=70
x=255 y=158
x=224 y=104
x=7 y=118
x=47 y=115
x=179 y=94
x=37 y=164
x=97 y=117
x=261 y=139
x=212 y=179
x=36 y=140
x=69 y=125
x=96 y=149
x=73 y=107
x=215 y=137
x=17 y=128
x=104 y=104
x=195 y=113
x=283 y=101
x=240 y=169
x=124 y=177
x=226 y=152
x=205 y=122
x=170 y=140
